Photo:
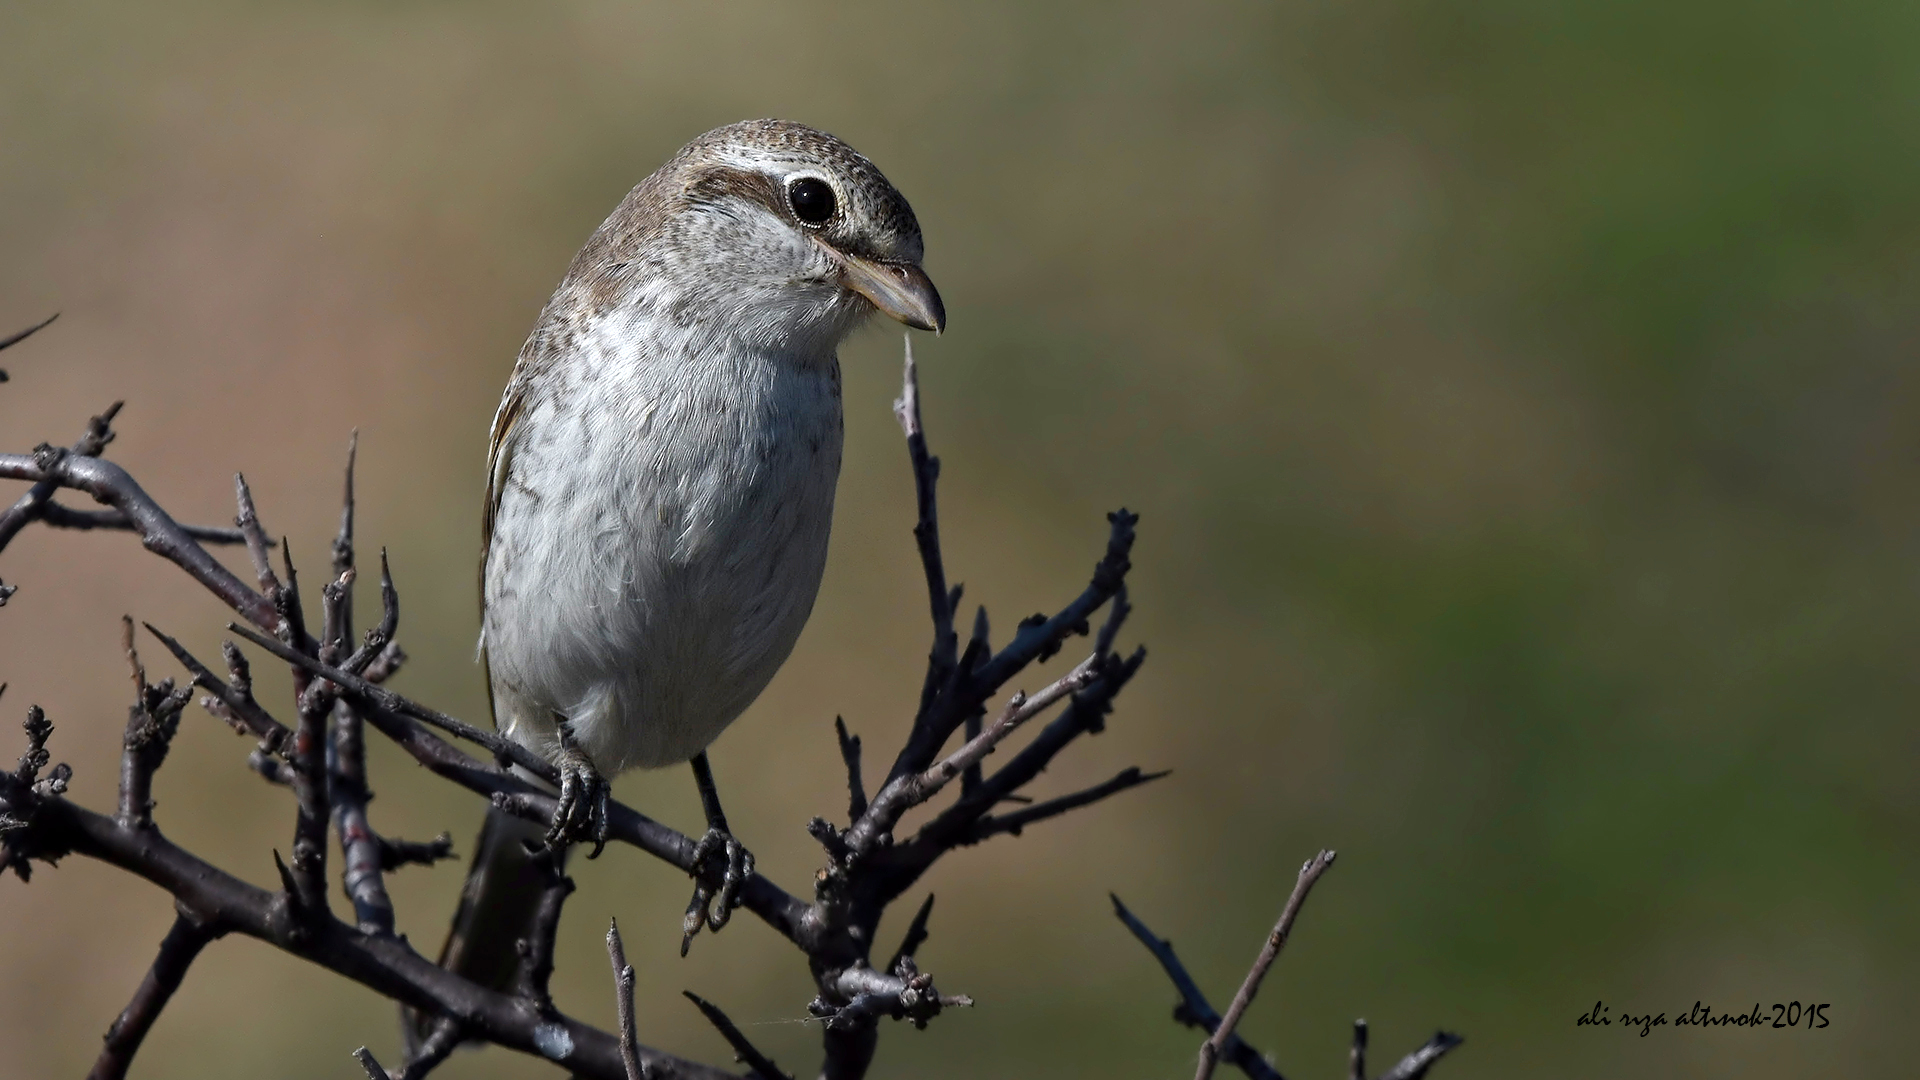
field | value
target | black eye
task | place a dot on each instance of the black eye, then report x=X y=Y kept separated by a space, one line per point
x=812 y=199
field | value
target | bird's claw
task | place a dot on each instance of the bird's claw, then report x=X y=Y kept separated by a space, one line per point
x=581 y=813
x=717 y=857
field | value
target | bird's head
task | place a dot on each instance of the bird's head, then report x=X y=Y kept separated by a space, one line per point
x=772 y=231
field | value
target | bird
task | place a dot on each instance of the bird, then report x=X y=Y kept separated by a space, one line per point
x=660 y=486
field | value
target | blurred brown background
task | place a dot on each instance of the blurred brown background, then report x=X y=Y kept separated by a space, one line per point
x=1519 y=398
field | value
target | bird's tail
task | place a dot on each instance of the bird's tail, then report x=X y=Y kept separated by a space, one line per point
x=496 y=911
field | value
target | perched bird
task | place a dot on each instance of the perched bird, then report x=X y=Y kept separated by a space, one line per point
x=661 y=478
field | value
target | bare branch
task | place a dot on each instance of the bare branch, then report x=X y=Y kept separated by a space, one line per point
x=386 y=965
x=926 y=531
x=364 y=855
x=787 y=914
x=271 y=769
x=386 y=663
x=850 y=753
x=376 y=697
x=24 y=796
x=372 y=1065
x=233 y=703
x=744 y=1051
x=1086 y=714
x=308 y=756
x=1038 y=638
x=108 y=483
x=870 y=995
x=16 y=338
x=177 y=952
x=916 y=936
x=1194 y=1010
x=442 y=1040
x=152 y=720
x=1415 y=1065
x=536 y=949
x=905 y=792
x=31 y=505
x=1357 y=1060
x=57 y=516
x=996 y=824
x=247 y=520
x=395 y=854
x=623 y=1003
x=343 y=540
x=1210 y=1050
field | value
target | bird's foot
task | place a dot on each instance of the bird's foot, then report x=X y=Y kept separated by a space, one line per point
x=581 y=814
x=722 y=866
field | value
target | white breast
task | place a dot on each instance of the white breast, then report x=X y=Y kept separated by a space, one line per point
x=659 y=538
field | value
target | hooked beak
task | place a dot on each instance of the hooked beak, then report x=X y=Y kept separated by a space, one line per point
x=902 y=290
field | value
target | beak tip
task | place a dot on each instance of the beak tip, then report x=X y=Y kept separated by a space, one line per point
x=900 y=290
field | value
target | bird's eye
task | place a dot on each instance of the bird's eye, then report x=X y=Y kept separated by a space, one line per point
x=812 y=199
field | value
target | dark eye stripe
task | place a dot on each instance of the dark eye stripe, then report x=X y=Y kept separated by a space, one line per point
x=812 y=200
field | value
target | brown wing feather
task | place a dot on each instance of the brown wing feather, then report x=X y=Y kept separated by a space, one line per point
x=499 y=462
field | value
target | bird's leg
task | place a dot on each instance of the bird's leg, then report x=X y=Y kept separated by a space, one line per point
x=710 y=906
x=582 y=810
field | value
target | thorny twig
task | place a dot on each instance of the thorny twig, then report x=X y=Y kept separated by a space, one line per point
x=371 y=1064
x=22 y=335
x=761 y=1065
x=177 y=952
x=1210 y=1050
x=1195 y=1011
x=321 y=756
x=623 y=1004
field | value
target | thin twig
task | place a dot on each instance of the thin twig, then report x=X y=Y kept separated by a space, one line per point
x=17 y=338
x=364 y=856
x=247 y=520
x=916 y=936
x=1194 y=1010
x=152 y=720
x=995 y=824
x=905 y=792
x=379 y=697
x=395 y=854
x=235 y=699
x=926 y=536
x=371 y=1064
x=442 y=1040
x=623 y=979
x=58 y=516
x=177 y=952
x=308 y=756
x=744 y=1051
x=1037 y=638
x=850 y=754
x=33 y=504
x=1415 y=1065
x=1211 y=1049
x=109 y=483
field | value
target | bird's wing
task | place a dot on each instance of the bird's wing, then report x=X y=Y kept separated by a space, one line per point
x=535 y=356
x=499 y=461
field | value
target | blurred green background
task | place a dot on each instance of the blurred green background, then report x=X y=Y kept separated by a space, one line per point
x=1519 y=398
